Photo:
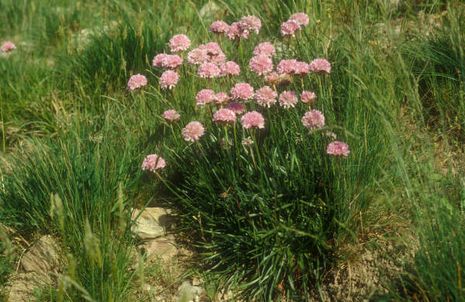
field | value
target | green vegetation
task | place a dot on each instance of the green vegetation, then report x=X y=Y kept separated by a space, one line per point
x=273 y=220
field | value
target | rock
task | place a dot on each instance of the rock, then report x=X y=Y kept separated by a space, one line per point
x=37 y=265
x=210 y=10
x=22 y=286
x=151 y=223
x=189 y=293
x=160 y=249
x=43 y=257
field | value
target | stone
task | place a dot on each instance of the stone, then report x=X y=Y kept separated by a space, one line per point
x=210 y=10
x=189 y=293
x=43 y=257
x=22 y=286
x=160 y=249
x=37 y=267
x=151 y=223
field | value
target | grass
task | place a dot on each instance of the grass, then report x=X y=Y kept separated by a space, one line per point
x=270 y=221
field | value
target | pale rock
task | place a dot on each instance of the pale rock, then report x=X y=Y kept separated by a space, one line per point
x=210 y=10
x=151 y=223
x=160 y=249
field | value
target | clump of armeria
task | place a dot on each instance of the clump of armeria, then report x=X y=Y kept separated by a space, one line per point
x=251 y=174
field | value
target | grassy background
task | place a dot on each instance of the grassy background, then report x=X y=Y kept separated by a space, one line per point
x=72 y=136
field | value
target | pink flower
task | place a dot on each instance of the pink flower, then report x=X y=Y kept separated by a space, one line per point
x=287 y=66
x=197 y=56
x=308 y=97
x=224 y=116
x=208 y=70
x=288 y=99
x=300 y=18
x=235 y=32
x=164 y=60
x=205 y=96
x=243 y=91
x=244 y=27
x=274 y=78
x=301 y=68
x=338 y=148
x=221 y=98
x=253 y=119
x=313 y=119
x=219 y=27
x=153 y=162
x=193 y=131
x=320 y=66
x=179 y=43
x=169 y=79
x=137 y=81
x=210 y=52
x=251 y=23
x=230 y=68
x=289 y=28
x=7 y=47
x=238 y=108
x=265 y=48
x=261 y=64
x=171 y=115
x=266 y=96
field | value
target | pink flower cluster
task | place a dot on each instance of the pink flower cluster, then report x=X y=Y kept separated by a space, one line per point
x=242 y=91
x=224 y=116
x=294 y=23
x=211 y=63
x=193 y=131
x=210 y=52
x=179 y=43
x=164 y=60
x=338 y=148
x=137 y=81
x=7 y=47
x=153 y=162
x=237 y=30
x=171 y=115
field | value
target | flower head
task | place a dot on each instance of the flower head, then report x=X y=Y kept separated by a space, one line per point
x=164 y=60
x=289 y=28
x=251 y=24
x=171 y=115
x=205 y=96
x=266 y=96
x=308 y=97
x=288 y=99
x=153 y=162
x=7 y=47
x=219 y=27
x=301 y=19
x=338 y=148
x=320 y=66
x=169 y=79
x=253 y=119
x=193 y=131
x=287 y=66
x=230 y=68
x=242 y=91
x=238 y=108
x=224 y=116
x=208 y=70
x=313 y=119
x=137 y=81
x=264 y=48
x=210 y=52
x=261 y=64
x=221 y=98
x=179 y=43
